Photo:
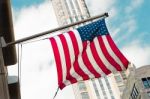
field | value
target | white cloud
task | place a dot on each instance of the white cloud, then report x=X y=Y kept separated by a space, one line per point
x=38 y=70
x=115 y=32
x=128 y=28
x=137 y=54
x=133 y=5
x=100 y=6
x=34 y=19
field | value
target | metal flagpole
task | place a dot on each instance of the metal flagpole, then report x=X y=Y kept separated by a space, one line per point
x=56 y=29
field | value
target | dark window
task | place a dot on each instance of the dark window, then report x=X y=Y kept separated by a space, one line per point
x=134 y=92
x=148 y=78
x=148 y=93
x=146 y=82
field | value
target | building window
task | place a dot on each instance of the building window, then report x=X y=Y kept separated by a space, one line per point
x=96 y=90
x=134 y=93
x=146 y=82
x=124 y=77
x=107 y=82
x=101 y=84
x=85 y=95
x=82 y=86
x=102 y=87
x=148 y=78
x=108 y=86
x=148 y=93
x=112 y=97
x=118 y=78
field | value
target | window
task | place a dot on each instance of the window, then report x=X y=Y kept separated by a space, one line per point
x=146 y=82
x=85 y=95
x=108 y=85
x=134 y=92
x=118 y=78
x=112 y=97
x=148 y=93
x=82 y=86
x=123 y=75
x=148 y=78
x=102 y=87
x=107 y=82
x=96 y=90
x=101 y=84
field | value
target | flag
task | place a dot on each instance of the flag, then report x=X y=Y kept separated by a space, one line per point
x=85 y=53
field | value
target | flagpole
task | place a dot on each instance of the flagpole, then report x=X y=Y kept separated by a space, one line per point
x=56 y=29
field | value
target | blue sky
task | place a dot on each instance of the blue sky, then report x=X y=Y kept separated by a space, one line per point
x=17 y=4
x=128 y=23
x=140 y=15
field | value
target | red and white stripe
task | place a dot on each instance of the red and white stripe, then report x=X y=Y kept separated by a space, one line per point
x=77 y=60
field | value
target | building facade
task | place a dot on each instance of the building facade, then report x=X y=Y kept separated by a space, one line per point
x=70 y=11
x=138 y=84
x=109 y=87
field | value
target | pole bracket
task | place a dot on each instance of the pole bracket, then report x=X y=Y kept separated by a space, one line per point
x=3 y=43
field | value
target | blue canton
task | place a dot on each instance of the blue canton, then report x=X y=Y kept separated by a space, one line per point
x=92 y=30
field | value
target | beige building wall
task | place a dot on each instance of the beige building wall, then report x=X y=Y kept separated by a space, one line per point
x=135 y=87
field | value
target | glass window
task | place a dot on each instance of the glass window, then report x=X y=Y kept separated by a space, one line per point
x=148 y=78
x=82 y=86
x=118 y=78
x=148 y=93
x=101 y=84
x=112 y=97
x=107 y=82
x=108 y=85
x=85 y=95
x=95 y=88
x=102 y=87
x=134 y=92
x=123 y=75
x=145 y=83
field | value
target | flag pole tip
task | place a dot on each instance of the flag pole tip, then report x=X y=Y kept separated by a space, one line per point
x=106 y=14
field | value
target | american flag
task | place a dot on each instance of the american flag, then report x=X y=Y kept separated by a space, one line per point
x=85 y=53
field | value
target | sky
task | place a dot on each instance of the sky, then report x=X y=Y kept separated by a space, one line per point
x=128 y=24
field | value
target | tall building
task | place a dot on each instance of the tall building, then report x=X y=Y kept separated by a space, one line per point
x=110 y=87
x=69 y=11
x=138 y=84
